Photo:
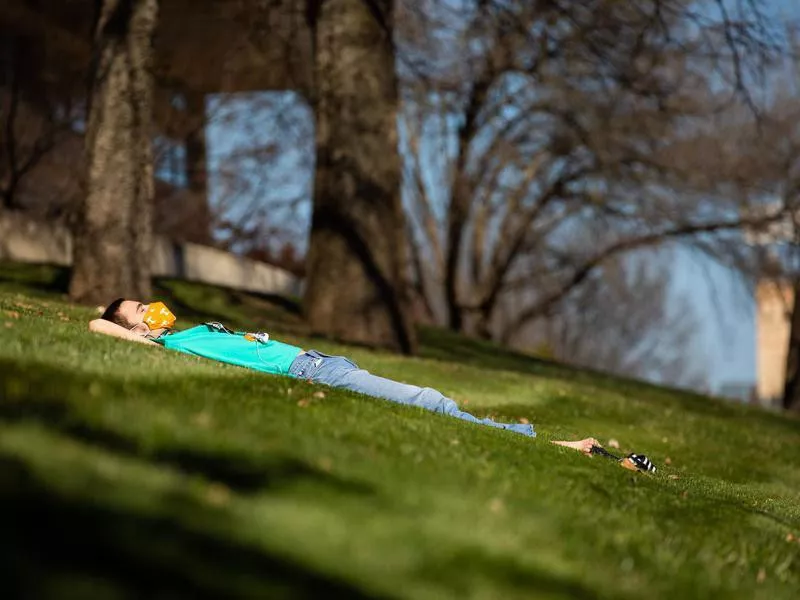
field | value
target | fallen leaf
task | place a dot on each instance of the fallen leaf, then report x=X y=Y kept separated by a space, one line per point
x=673 y=477
x=9 y=324
x=668 y=461
x=454 y=442
x=303 y=402
x=319 y=395
x=218 y=494
x=524 y=421
x=202 y=419
x=790 y=537
x=12 y=314
x=496 y=505
x=325 y=463
x=289 y=392
x=664 y=440
x=612 y=443
x=762 y=575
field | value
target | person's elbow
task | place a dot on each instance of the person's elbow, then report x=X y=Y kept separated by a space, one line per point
x=96 y=325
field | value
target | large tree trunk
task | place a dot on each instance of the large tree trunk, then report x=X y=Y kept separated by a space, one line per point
x=357 y=283
x=199 y=225
x=113 y=239
x=791 y=393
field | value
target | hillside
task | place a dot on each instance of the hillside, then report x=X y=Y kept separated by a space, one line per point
x=128 y=471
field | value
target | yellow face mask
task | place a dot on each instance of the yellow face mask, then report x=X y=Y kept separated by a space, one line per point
x=158 y=316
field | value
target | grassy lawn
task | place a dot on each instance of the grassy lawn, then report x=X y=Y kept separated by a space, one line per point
x=128 y=471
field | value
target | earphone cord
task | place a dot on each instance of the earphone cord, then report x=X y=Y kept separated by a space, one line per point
x=602 y=451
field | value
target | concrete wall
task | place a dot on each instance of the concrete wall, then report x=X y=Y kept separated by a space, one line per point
x=774 y=302
x=25 y=240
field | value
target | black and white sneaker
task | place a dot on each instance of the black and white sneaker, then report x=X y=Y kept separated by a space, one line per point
x=642 y=463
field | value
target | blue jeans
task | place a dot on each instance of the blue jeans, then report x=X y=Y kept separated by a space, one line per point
x=340 y=372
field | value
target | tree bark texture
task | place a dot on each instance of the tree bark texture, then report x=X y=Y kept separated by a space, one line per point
x=357 y=285
x=791 y=393
x=199 y=229
x=113 y=239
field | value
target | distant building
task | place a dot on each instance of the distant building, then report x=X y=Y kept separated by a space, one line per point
x=774 y=302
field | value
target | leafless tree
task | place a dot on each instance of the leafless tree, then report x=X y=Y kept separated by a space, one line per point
x=772 y=158
x=554 y=117
x=39 y=113
x=626 y=319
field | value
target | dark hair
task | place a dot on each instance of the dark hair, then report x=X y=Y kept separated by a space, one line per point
x=113 y=314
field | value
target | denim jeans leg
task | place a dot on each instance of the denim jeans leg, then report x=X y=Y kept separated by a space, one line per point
x=342 y=373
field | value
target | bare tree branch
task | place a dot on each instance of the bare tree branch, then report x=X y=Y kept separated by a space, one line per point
x=542 y=305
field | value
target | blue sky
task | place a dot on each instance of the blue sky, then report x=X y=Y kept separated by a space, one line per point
x=725 y=312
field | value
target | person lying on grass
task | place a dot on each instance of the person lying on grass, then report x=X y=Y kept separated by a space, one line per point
x=152 y=323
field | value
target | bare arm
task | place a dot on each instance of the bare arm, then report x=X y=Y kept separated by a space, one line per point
x=114 y=330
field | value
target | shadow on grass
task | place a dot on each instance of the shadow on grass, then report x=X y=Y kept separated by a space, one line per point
x=39 y=277
x=237 y=471
x=55 y=543
x=52 y=543
x=242 y=310
x=446 y=345
x=241 y=472
x=468 y=563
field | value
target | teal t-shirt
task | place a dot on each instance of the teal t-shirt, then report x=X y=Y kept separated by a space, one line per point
x=214 y=341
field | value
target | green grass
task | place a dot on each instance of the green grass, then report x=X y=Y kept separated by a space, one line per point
x=128 y=471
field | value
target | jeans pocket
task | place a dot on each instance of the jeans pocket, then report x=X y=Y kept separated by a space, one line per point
x=333 y=356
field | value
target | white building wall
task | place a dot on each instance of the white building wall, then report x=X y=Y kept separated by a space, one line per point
x=25 y=240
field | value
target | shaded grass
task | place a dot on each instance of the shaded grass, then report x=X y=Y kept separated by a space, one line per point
x=129 y=471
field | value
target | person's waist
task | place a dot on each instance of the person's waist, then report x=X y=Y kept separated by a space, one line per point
x=305 y=362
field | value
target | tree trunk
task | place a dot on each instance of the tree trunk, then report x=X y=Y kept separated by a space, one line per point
x=457 y=215
x=357 y=283
x=199 y=227
x=483 y=324
x=791 y=392
x=114 y=235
